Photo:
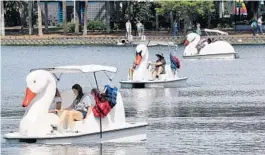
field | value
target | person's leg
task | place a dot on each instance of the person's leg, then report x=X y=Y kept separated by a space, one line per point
x=72 y=116
x=160 y=70
x=260 y=29
x=154 y=74
x=62 y=117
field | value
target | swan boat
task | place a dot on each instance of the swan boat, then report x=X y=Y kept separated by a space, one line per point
x=197 y=48
x=143 y=72
x=37 y=124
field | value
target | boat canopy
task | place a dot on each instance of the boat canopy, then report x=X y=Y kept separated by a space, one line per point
x=215 y=31
x=79 y=69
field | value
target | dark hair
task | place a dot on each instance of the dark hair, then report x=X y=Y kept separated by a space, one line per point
x=79 y=90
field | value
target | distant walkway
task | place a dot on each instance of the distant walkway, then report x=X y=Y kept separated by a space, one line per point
x=112 y=39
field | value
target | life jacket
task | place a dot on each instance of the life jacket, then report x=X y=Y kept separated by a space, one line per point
x=175 y=62
x=111 y=95
x=102 y=107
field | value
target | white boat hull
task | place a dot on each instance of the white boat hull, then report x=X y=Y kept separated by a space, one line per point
x=154 y=84
x=137 y=130
x=213 y=56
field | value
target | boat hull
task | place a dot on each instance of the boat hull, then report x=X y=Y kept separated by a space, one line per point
x=154 y=84
x=213 y=56
x=130 y=130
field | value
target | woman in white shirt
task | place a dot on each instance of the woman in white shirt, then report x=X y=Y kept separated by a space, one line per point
x=57 y=102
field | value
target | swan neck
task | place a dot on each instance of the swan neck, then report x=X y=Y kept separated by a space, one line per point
x=43 y=100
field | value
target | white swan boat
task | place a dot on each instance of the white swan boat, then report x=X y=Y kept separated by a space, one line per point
x=143 y=73
x=208 y=49
x=37 y=125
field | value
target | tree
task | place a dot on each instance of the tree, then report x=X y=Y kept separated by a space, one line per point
x=39 y=19
x=142 y=11
x=77 y=16
x=107 y=5
x=2 y=19
x=64 y=18
x=12 y=12
x=188 y=10
x=30 y=17
x=85 y=19
x=46 y=16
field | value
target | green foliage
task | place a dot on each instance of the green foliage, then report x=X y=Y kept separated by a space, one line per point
x=188 y=10
x=200 y=7
x=71 y=27
x=96 y=25
x=12 y=15
x=143 y=11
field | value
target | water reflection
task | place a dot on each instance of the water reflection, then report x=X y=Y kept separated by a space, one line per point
x=81 y=149
x=221 y=111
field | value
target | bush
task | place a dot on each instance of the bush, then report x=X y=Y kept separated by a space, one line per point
x=71 y=26
x=96 y=25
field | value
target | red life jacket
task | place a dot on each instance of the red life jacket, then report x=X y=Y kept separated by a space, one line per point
x=177 y=60
x=102 y=107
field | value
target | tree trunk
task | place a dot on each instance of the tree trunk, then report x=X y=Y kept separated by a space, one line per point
x=129 y=10
x=187 y=23
x=2 y=19
x=209 y=20
x=30 y=16
x=77 y=17
x=107 y=4
x=46 y=16
x=157 y=22
x=64 y=18
x=171 y=21
x=39 y=19
x=85 y=19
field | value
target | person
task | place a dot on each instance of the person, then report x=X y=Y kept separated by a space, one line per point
x=198 y=30
x=254 y=26
x=128 y=29
x=260 y=25
x=57 y=103
x=79 y=109
x=139 y=28
x=175 y=28
x=159 y=66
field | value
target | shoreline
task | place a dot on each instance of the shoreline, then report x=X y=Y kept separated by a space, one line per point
x=111 y=40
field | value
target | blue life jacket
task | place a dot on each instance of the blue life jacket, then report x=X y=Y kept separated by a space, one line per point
x=111 y=95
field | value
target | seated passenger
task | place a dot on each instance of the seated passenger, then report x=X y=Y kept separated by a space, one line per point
x=159 y=66
x=79 y=109
x=202 y=43
x=57 y=103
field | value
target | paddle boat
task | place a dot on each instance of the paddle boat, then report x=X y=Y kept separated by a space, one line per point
x=140 y=76
x=39 y=126
x=197 y=48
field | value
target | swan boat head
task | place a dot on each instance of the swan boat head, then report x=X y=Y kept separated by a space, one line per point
x=190 y=38
x=40 y=91
x=141 y=53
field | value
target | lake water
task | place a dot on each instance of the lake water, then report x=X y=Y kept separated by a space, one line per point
x=220 y=111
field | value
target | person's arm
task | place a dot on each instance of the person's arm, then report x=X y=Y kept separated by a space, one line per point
x=70 y=107
x=157 y=63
